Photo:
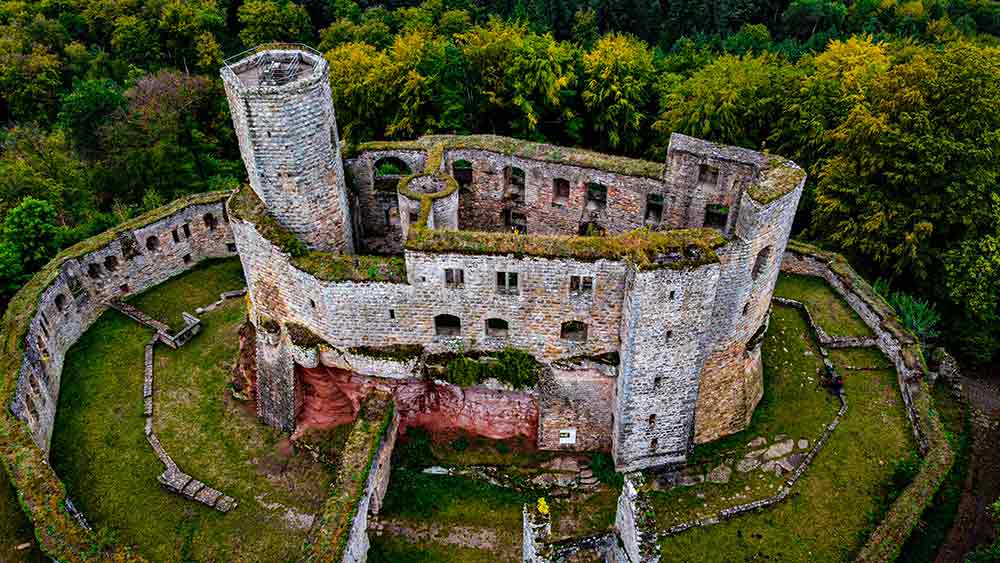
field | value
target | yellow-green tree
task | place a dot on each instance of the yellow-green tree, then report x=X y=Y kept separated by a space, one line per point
x=618 y=76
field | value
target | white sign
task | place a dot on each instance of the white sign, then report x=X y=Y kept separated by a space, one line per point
x=567 y=436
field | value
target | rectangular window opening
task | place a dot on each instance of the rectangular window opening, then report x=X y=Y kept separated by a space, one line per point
x=581 y=285
x=454 y=277
x=597 y=196
x=560 y=192
x=507 y=283
x=654 y=208
x=708 y=175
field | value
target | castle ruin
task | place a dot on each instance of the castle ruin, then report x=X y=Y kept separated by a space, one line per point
x=643 y=288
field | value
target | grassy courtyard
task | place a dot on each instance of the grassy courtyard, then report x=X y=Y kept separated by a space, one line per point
x=100 y=452
x=849 y=486
x=828 y=309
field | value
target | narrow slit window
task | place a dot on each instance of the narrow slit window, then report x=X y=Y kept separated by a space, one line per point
x=187 y=230
x=175 y=235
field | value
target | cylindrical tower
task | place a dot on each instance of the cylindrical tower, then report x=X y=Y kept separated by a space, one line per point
x=283 y=116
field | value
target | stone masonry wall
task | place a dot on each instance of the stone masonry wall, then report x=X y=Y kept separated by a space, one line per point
x=348 y=314
x=575 y=408
x=371 y=499
x=732 y=381
x=664 y=329
x=129 y=264
x=289 y=143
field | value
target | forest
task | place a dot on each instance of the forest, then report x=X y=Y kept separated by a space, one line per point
x=113 y=107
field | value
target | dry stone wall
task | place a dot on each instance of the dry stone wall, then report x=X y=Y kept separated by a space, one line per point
x=130 y=263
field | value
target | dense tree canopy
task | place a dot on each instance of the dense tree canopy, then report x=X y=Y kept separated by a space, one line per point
x=893 y=107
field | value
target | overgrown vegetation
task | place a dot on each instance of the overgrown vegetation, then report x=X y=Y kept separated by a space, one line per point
x=510 y=366
x=682 y=248
x=828 y=310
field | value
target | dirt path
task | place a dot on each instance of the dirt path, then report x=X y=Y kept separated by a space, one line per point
x=973 y=527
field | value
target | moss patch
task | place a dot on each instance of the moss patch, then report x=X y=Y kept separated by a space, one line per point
x=682 y=248
x=15 y=529
x=779 y=180
x=245 y=205
x=101 y=452
x=398 y=352
x=827 y=308
x=341 y=267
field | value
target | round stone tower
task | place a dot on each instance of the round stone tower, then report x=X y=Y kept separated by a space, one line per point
x=283 y=116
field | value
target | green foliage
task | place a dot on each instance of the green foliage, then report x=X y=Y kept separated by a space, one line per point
x=511 y=366
x=88 y=106
x=266 y=21
x=918 y=315
x=604 y=469
x=30 y=232
x=617 y=82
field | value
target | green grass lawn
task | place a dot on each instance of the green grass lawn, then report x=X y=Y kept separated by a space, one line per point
x=394 y=549
x=826 y=306
x=15 y=529
x=794 y=404
x=100 y=452
x=846 y=490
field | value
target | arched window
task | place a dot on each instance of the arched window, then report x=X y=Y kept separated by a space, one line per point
x=152 y=243
x=497 y=328
x=654 y=445
x=761 y=262
x=210 y=221
x=391 y=166
x=61 y=302
x=111 y=263
x=94 y=270
x=574 y=331
x=652 y=419
x=461 y=170
x=447 y=325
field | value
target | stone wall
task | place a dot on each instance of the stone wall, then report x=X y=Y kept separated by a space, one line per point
x=130 y=263
x=340 y=533
x=289 y=143
x=664 y=332
x=377 y=314
x=575 y=407
x=636 y=539
x=49 y=314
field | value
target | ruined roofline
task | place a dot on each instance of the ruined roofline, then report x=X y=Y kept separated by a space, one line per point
x=774 y=176
x=529 y=150
x=647 y=250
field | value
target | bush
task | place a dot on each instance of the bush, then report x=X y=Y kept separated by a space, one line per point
x=918 y=315
x=604 y=469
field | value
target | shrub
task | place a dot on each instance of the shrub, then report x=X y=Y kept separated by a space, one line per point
x=917 y=315
x=604 y=469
